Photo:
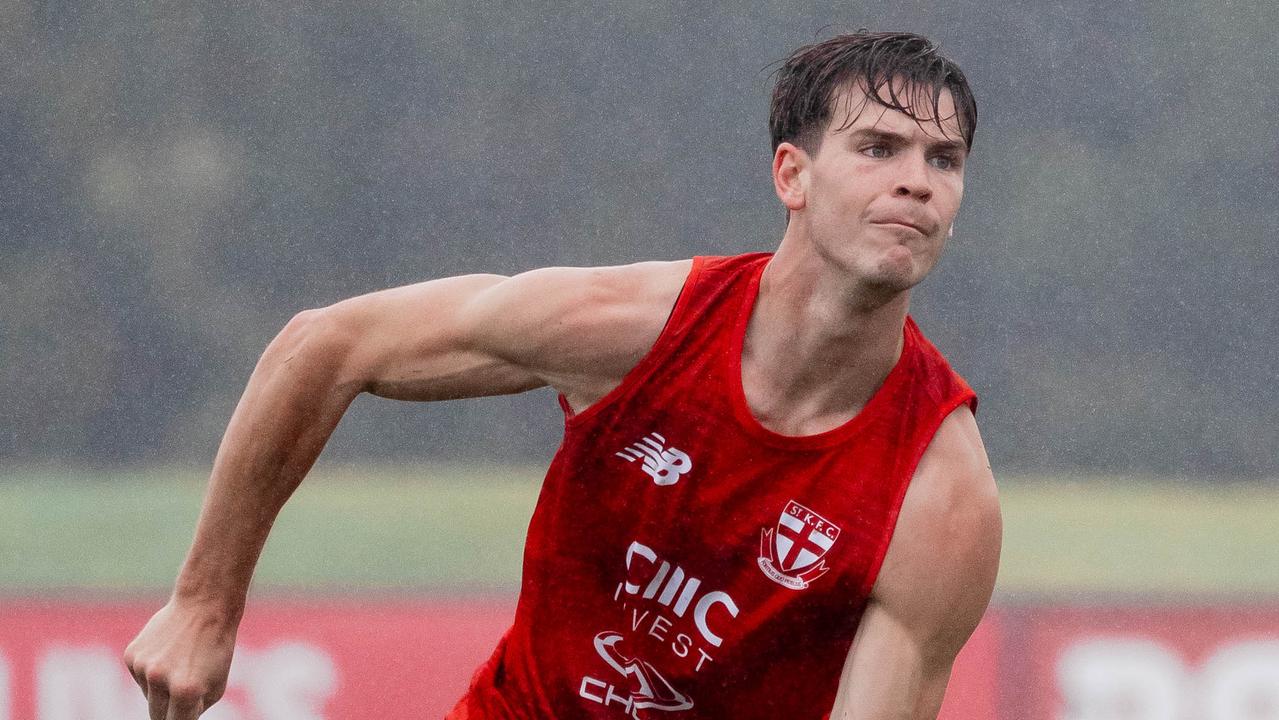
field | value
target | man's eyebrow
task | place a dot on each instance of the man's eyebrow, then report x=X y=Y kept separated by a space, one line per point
x=953 y=146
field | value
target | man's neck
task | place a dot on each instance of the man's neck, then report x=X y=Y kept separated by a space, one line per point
x=817 y=347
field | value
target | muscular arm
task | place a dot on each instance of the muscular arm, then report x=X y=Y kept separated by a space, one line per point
x=934 y=586
x=456 y=337
x=578 y=330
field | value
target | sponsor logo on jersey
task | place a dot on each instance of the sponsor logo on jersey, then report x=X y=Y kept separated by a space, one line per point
x=670 y=587
x=648 y=690
x=666 y=465
x=662 y=603
x=790 y=553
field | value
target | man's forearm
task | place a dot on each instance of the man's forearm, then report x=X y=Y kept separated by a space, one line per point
x=293 y=401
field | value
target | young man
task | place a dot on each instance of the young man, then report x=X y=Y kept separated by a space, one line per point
x=771 y=501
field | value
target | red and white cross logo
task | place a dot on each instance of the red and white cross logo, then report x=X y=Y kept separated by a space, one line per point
x=803 y=537
x=791 y=553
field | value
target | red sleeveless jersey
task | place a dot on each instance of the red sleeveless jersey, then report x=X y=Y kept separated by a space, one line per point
x=686 y=562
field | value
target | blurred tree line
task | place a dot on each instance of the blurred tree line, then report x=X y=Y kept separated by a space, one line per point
x=177 y=180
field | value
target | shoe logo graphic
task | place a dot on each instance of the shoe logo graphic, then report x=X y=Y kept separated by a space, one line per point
x=665 y=465
x=790 y=554
x=650 y=690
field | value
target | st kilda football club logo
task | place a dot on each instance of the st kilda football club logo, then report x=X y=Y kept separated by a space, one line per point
x=790 y=554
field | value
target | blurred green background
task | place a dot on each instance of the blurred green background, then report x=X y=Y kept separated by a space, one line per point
x=447 y=529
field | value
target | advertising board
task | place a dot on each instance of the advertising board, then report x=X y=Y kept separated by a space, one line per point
x=367 y=659
x=313 y=660
x=1146 y=662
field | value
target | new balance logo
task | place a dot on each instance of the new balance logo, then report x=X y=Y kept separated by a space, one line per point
x=665 y=465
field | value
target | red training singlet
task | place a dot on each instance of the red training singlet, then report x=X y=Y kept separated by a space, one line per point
x=686 y=562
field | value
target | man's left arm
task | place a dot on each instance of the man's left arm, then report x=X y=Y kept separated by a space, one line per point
x=933 y=587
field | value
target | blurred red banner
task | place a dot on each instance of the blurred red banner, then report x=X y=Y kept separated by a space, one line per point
x=312 y=660
x=367 y=659
x=973 y=691
x=1146 y=662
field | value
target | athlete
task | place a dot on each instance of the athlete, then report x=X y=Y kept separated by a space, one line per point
x=771 y=501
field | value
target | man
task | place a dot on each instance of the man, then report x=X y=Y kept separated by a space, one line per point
x=772 y=499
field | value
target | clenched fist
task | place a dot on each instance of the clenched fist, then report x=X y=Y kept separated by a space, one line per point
x=181 y=659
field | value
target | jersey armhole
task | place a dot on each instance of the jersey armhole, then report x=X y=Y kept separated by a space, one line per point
x=969 y=398
x=651 y=358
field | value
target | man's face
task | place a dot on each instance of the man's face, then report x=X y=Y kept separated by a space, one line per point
x=879 y=196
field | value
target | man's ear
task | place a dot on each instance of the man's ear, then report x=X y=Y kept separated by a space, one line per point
x=790 y=175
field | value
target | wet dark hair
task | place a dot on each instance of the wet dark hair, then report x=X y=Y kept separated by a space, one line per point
x=884 y=64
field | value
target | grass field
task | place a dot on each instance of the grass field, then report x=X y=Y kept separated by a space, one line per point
x=460 y=529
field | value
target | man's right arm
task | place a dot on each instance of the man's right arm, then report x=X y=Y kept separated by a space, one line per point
x=578 y=330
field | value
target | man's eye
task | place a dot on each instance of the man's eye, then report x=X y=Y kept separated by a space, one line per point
x=877 y=151
x=944 y=162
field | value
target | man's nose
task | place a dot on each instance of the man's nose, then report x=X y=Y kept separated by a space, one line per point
x=914 y=181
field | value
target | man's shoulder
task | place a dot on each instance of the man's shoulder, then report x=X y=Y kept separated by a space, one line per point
x=955 y=471
x=941 y=565
x=565 y=288
x=581 y=328
x=649 y=283
x=619 y=305
x=949 y=524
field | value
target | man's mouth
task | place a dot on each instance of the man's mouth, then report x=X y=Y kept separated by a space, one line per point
x=901 y=222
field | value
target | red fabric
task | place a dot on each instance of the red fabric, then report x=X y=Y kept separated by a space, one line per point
x=657 y=579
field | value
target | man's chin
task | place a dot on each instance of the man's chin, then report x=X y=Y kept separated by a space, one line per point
x=892 y=278
x=889 y=285
x=897 y=269
x=891 y=273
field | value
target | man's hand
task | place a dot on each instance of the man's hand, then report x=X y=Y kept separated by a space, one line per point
x=181 y=660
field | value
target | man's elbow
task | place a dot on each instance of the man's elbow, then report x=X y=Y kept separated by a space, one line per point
x=310 y=325
x=316 y=343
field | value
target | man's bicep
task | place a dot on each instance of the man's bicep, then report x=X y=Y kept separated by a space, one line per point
x=941 y=565
x=419 y=342
x=478 y=335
